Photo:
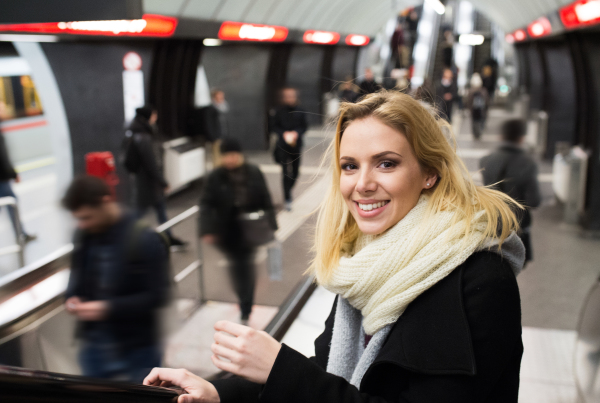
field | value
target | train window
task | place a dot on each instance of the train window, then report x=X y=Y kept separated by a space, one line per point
x=18 y=98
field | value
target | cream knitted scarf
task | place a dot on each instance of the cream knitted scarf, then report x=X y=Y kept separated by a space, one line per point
x=379 y=277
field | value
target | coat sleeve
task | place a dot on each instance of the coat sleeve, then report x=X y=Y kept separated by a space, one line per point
x=209 y=203
x=148 y=161
x=302 y=124
x=277 y=124
x=267 y=204
x=155 y=280
x=533 y=197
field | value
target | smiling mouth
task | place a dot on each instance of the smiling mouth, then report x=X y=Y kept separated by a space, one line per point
x=372 y=206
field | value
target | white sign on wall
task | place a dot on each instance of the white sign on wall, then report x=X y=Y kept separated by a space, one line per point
x=133 y=85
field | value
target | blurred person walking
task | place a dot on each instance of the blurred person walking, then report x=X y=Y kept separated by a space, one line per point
x=8 y=173
x=119 y=278
x=237 y=216
x=142 y=160
x=512 y=171
x=347 y=91
x=289 y=123
x=217 y=125
x=446 y=93
x=489 y=78
x=368 y=85
x=477 y=102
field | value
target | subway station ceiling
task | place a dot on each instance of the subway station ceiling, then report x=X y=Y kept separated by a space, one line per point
x=513 y=14
x=364 y=17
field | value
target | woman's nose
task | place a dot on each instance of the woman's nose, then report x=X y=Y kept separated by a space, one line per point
x=366 y=182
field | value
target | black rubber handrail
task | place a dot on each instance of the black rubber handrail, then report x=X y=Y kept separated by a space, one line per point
x=24 y=385
x=288 y=312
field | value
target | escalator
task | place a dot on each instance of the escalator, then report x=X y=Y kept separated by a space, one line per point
x=37 y=349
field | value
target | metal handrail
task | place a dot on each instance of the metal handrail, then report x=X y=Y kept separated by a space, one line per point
x=288 y=312
x=19 y=247
x=20 y=280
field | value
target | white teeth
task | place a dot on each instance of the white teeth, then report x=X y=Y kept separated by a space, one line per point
x=369 y=207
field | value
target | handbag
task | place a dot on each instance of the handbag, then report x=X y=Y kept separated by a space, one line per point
x=256 y=228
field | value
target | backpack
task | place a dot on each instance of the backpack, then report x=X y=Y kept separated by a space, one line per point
x=130 y=156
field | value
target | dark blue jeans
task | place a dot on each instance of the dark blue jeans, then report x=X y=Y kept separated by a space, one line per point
x=105 y=360
x=6 y=191
x=161 y=214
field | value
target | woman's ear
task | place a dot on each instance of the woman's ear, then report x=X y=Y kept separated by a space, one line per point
x=430 y=181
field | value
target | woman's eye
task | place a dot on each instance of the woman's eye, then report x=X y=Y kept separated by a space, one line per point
x=348 y=167
x=387 y=164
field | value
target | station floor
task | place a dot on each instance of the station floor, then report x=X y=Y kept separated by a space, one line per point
x=553 y=287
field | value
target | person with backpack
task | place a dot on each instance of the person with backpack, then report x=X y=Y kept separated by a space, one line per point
x=478 y=103
x=119 y=278
x=512 y=171
x=140 y=159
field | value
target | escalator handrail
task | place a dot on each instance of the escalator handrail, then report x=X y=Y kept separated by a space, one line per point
x=288 y=312
x=35 y=272
x=52 y=387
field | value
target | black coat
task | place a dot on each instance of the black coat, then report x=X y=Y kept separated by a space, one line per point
x=218 y=214
x=460 y=341
x=7 y=172
x=138 y=285
x=369 y=87
x=288 y=118
x=149 y=180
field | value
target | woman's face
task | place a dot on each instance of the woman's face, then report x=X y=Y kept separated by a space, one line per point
x=381 y=179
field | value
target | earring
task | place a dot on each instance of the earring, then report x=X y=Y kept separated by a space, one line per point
x=428 y=185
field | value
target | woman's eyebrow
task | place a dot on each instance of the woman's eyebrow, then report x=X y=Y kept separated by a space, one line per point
x=348 y=158
x=376 y=156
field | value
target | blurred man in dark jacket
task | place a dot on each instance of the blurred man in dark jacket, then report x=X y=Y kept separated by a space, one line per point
x=8 y=173
x=446 y=93
x=119 y=278
x=290 y=125
x=369 y=85
x=515 y=173
x=150 y=182
x=232 y=191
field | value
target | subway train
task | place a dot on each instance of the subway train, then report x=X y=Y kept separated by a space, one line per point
x=71 y=78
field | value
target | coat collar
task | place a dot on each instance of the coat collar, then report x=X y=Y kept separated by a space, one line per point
x=432 y=336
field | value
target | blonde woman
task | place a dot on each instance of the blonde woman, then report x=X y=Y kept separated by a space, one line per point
x=423 y=263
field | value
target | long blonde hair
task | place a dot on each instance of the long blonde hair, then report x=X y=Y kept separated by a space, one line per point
x=434 y=146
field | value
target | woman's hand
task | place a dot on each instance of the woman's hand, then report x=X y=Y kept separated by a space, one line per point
x=199 y=390
x=252 y=352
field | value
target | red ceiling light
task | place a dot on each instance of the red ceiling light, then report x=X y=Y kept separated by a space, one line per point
x=539 y=27
x=321 y=37
x=357 y=40
x=149 y=25
x=239 y=31
x=581 y=13
x=519 y=35
x=510 y=38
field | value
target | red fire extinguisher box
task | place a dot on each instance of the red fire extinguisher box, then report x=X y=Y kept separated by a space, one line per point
x=102 y=165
